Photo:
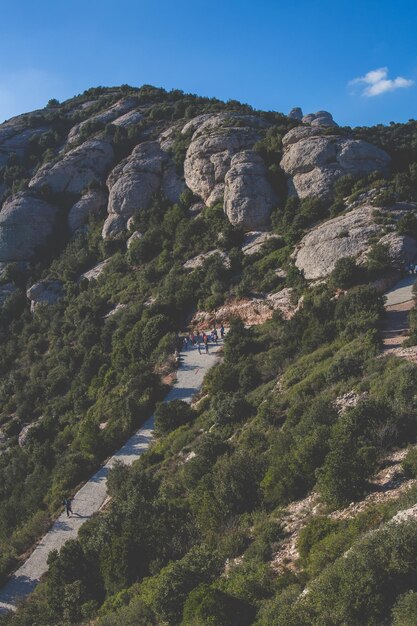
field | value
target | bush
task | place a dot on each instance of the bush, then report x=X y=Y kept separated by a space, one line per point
x=410 y=463
x=171 y=415
x=346 y=273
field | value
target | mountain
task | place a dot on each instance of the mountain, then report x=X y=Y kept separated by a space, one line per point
x=286 y=494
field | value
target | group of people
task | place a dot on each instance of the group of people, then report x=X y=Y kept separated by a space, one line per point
x=202 y=339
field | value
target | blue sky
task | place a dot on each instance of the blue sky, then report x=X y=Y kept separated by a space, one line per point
x=271 y=54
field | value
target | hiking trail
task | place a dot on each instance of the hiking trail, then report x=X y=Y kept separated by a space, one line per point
x=399 y=302
x=92 y=495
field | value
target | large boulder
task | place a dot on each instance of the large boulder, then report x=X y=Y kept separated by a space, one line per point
x=315 y=159
x=248 y=196
x=321 y=118
x=45 y=292
x=350 y=235
x=296 y=114
x=77 y=169
x=90 y=203
x=212 y=147
x=135 y=181
x=26 y=222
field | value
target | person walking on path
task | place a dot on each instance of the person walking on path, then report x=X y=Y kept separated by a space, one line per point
x=221 y=330
x=215 y=334
x=185 y=343
x=206 y=342
x=68 y=506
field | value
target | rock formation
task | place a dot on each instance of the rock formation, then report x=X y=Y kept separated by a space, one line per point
x=26 y=222
x=248 y=196
x=117 y=111
x=296 y=114
x=135 y=181
x=45 y=292
x=315 y=160
x=90 y=203
x=347 y=235
x=321 y=118
x=77 y=169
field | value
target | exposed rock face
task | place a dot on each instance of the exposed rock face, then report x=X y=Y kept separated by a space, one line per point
x=296 y=114
x=315 y=160
x=248 y=196
x=90 y=203
x=77 y=169
x=128 y=119
x=96 y=271
x=254 y=240
x=135 y=236
x=26 y=222
x=109 y=115
x=199 y=260
x=134 y=182
x=23 y=435
x=250 y=311
x=343 y=236
x=45 y=292
x=321 y=118
x=212 y=147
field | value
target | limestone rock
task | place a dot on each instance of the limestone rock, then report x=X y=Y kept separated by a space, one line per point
x=96 y=271
x=321 y=118
x=212 y=147
x=45 y=292
x=23 y=435
x=248 y=196
x=121 y=108
x=135 y=236
x=77 y=169
x=200 y=259
x=251 y=311
x=296 y=114
x=90 y=203
x=315 y=160
x=254 y=240
x=134 y=182
x=347 y=235
x=128 y=119
x=26 y=222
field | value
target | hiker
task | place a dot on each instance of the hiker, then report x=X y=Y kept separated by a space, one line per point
x=192 y=339
x=222 y=330
x=176 y=357
x=205 y=339
x=185 y=343
x=67 y=505
x=199 y=348
x=215 y=334
x=198 y=337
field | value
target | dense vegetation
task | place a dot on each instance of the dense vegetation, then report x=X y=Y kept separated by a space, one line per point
x=189 y=539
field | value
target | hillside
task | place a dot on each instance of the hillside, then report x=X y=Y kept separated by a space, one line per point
x=285 y=494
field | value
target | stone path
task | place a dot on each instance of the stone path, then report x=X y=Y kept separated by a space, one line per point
x=90 y=498
x=398 y=303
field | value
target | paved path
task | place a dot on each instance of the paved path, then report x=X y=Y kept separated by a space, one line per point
x=89 y=499
x=398 y=303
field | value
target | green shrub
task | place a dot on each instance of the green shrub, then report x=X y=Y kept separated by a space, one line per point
x=171 y=415
x=410 y=463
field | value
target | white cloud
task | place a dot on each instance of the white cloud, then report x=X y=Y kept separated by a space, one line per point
x=376 y=82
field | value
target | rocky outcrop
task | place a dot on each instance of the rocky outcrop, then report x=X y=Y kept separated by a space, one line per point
x=248 y=196
x=296 y=114
x=347 y=235
x=121 y=108
x=26 y=222
x=254 y=241
x=199 y=260
x=90 y=203
x=45 y=292
x=321 y=118
x=77 y=169
x=135 y=181
x=251 y=311
x=96 y=271
x=315 y=160
x=212 y=147
x=135 y=236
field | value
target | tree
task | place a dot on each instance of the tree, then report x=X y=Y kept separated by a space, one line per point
x=171 y=415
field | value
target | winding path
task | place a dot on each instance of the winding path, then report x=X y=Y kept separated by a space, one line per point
x=90 y=498
x=398 y=303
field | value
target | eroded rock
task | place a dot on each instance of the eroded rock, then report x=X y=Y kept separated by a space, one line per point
x=248 y=196
x=45 y=292
x=200 y=259
x=26 y=222
x=90 y=203
x=96 y=271
x=315 y=160
x=117 y=111
x=77 y=169
x=321 y=118
x=254 y=241
x=135 y=181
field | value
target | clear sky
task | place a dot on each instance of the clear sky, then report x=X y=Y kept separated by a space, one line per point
x=271 y=54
